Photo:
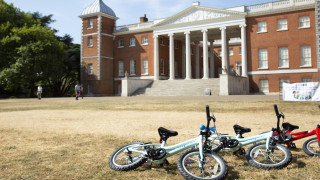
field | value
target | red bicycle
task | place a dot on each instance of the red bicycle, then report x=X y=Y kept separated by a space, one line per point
x=286 y=136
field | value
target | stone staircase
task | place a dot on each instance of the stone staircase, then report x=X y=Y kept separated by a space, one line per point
x=193 y=87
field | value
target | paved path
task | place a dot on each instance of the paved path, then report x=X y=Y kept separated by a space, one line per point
x=172 y=98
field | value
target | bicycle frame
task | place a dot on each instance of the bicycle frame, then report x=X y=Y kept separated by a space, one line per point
x=172 y=150
x=303 y=134
x=245 y=141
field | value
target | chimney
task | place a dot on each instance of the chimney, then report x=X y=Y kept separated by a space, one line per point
x=197 y=3
x=143 y=19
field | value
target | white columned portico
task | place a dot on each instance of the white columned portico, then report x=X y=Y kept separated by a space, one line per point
x=188 y=56
x=224 y=53
x=211 y=61
x=197 y=61
x=156 y=57
x=171 y=57
x=205 y=54
x=244 y=50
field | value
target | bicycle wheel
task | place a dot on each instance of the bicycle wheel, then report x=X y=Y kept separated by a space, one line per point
x=279 y=156
x=124 y=160
x=214 y=166
x=311 y=147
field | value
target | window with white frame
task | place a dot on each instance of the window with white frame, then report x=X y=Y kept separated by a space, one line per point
x=90 y=42
x=304 y=22
x=90 y=24
x=231 y=52
x=145 y=40
x=132 y=67
x=240 y=51
x=282 y=24
x=90 y=69
x=263 y=58
x=121 y=68
x=162 y=66
x=219 y=53
x=305 y=52
x=121 y=43
x=264 y=85
x=306 y=80
x=132 y=41
x=262 y=26
x=145 y=67
x=281 y=83
x=283 y=57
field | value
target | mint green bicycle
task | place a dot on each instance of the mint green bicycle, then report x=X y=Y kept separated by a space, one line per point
x=197 y=163
x=268 y=154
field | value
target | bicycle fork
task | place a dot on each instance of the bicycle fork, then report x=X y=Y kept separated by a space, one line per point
x=201 y=159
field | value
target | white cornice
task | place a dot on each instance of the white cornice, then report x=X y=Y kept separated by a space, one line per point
x=282 y=10
x=286 y=71
x=133 y=31
x=98 y=14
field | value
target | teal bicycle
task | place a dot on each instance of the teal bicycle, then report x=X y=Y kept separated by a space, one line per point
x=197 y=163
x=265 y=155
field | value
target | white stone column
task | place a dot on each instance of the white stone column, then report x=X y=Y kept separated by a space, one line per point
x=188 y=56
x=171 y=59
x=211 y=61
x=197 y=61
x=244 y=51
x=224 y=53
x=205 y=54
x=156 y=57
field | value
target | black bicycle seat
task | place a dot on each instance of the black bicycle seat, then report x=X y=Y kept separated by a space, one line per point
x=241 y=130
x=165 y=133
x=289 y=127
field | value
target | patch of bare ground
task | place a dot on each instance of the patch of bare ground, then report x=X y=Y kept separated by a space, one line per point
x=74 y=140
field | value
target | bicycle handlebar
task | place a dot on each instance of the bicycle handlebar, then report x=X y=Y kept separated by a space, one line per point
x=208 y=112
x=276 y=109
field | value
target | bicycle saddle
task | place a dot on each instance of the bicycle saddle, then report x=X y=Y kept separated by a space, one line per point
x=289 y=127
x=240 y=130
x=165 y=133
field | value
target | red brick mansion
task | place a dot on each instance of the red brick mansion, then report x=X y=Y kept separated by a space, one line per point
x=238 y=50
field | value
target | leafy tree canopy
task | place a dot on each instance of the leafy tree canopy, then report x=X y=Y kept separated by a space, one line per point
x=31 y=53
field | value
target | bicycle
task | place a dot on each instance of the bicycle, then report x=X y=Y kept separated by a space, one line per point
x=196 y=163
x=310 y=147
x=265 y=155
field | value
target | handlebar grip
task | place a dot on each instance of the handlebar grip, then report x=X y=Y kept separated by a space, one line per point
x=276 y=109
x=208 y=111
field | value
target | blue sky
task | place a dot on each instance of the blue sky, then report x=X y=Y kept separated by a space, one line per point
x=66 y=12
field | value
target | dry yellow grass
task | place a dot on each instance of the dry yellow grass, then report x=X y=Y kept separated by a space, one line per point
x=65 y=139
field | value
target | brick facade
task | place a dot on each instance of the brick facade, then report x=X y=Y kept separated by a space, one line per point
x=105 y=53
x=272 y=40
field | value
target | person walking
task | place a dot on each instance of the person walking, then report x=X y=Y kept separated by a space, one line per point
x=77 y=90
x=81 y=90
x=39 y=91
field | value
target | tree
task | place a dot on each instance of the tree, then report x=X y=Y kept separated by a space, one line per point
x=31 y=53
x=38 y=58
x=64 y=83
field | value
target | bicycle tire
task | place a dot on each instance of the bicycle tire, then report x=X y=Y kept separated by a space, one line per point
x=255 y=150
x=130 y=162
x=309 y=150
x=186 y=161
